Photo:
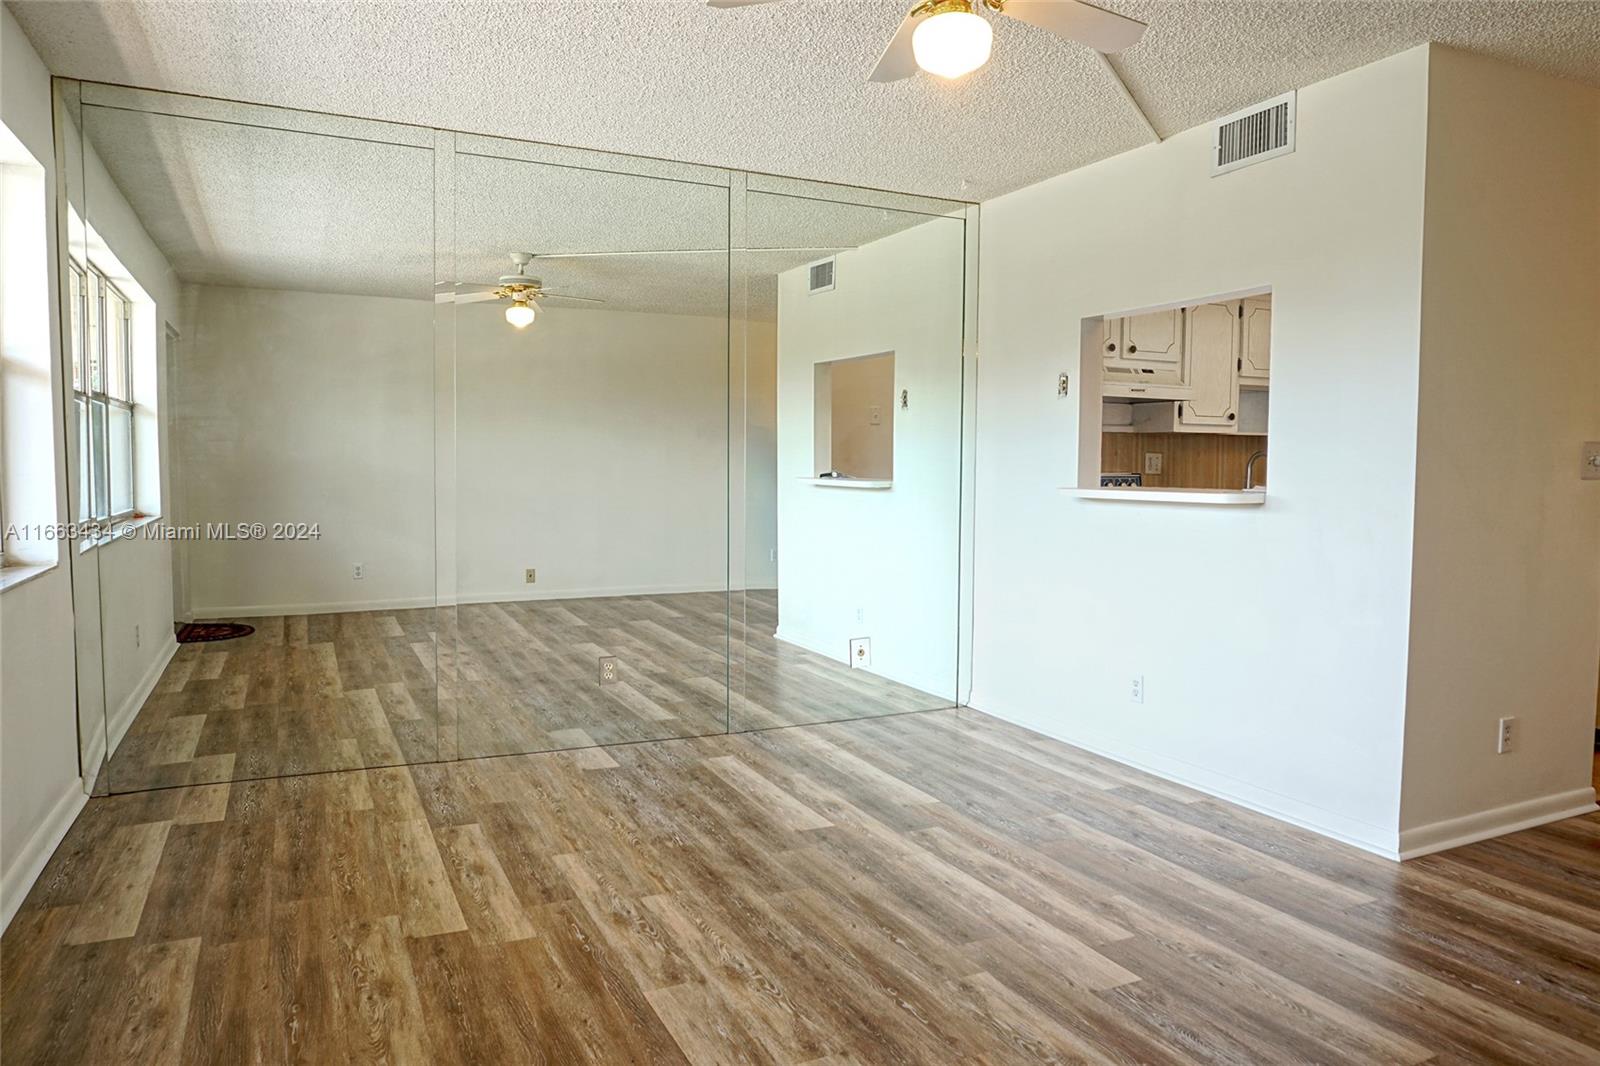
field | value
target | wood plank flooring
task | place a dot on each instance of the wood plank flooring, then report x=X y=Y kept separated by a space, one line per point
x=306 y=694
x=921 y=889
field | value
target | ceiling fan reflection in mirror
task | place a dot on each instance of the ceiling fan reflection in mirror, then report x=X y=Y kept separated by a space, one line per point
x=520 y=289
x=948 y=38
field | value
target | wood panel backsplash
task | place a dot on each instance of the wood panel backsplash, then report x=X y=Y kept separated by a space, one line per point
x=1188 y=460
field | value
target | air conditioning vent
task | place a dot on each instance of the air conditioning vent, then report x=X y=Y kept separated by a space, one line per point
x=1253 y=135
x=821 y=276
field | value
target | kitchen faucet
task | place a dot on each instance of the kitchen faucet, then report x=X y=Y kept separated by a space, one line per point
x=1250 y=470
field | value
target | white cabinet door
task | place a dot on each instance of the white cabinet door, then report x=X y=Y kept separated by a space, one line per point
x=1143 y=356
x=1213 y=347
x=1154 y=340
x=1255 y=340
x=1111 y=340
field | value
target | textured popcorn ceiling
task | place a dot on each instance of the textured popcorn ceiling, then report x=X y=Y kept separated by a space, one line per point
x=235 y=203
x=779 y=88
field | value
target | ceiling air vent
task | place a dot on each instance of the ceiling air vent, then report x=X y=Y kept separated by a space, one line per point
x=820 y=276
x=1257 y=133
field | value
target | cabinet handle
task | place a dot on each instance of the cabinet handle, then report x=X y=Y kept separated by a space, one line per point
x=1111 y=347
x=1132 y=348
x=1231 y=416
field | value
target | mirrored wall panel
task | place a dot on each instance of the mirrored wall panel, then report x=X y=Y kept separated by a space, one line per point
x=852 y=390
x=590 y=326
x=260 y=434
x=397 y=445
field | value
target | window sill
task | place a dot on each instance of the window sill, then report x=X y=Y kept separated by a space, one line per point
x=121 y=530
x=850 y=482
x=22 y=573
x=1210 y=497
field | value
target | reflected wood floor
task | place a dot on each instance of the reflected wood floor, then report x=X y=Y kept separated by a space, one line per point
x=923 y=889
x=313 y=693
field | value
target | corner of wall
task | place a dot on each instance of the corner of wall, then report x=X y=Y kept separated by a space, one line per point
x=30 y=860
x=1505 y=598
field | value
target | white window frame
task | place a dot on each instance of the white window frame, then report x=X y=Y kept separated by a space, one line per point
x=94 y=461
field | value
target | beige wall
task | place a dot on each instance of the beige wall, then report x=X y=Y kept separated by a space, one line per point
x=1506 y=583
x=592 y=447
x=860 y=446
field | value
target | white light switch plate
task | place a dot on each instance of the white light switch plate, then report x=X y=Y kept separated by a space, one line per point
x=1591 y=460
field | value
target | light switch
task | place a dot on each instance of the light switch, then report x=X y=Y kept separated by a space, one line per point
x=1591 y=460
x=1152 y=462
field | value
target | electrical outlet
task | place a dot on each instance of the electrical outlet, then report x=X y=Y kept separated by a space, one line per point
x=360 y=572
x=529 y=576
x=1507 y=740
x=861 y=614
x=772 y=555
x=136 y=641
x=1062 y=384
x=1152 y=462
x=860 y=651
x=874 y=415
x=609 y=669
x=1136 y=689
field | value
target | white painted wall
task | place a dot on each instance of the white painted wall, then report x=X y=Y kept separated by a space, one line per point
x=1272 y=640
x=315 y=408
x=893 y=555
x=41 y=789
x=592 y=447
x=1506 y=568
x=754 y=417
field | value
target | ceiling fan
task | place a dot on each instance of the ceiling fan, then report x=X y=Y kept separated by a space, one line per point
x=949 y=38
x=517 y=287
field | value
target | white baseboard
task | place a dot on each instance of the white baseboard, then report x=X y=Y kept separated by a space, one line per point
x=119 y=721
x=512 y=595
x=1497 y=821
x=1346 y=830
x=30 y=861
x=518 y=594
x=267 y=610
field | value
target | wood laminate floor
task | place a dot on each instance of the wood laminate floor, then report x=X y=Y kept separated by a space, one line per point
x=308 y=694
x=922 y=889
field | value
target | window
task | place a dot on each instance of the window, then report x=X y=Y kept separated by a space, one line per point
x=102 y=394
x=27 y=367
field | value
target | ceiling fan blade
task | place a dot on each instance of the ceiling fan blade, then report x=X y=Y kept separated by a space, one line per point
x=564 y=296
x=464 y=297
x=640 y=251
x=678 y=251
x=897 y=61
x=1102 y=30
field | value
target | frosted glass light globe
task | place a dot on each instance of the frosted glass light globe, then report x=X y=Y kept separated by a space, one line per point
x=952 y=43
x=519 y=315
